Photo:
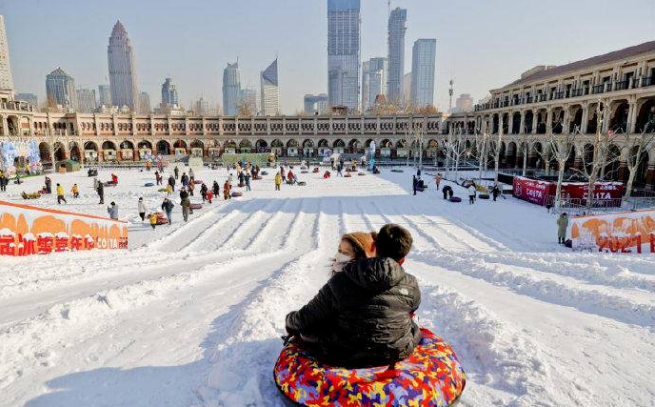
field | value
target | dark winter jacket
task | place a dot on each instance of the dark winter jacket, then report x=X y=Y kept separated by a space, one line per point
x=362 y=316
x=167 y=206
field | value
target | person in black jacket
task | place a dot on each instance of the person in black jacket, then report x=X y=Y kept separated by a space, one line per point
x=362 y=317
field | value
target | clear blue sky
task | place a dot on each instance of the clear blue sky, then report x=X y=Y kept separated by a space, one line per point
x=482 y=44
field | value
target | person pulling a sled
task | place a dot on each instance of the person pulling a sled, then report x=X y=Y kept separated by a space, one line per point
x=362 y=317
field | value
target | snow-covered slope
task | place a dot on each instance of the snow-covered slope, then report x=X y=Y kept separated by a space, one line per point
x=192 y=314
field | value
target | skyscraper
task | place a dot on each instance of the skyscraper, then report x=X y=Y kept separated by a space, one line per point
x=463 y=104
x=6 y=81
x=374 y=81
x=270 y=92
x=201 y=107
x=104 y=95
x=231 y=89
x=122 y=69
x=144 y=103
x=396 y=43
x=423 y=65
x=316 y=104
x=344 y=40
x=86 y=100
x=60 y=89
x=248 y=100
x=169 y=95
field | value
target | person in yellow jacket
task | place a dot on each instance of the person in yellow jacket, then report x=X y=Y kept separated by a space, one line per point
x=75 y=191
x=153 y=220
x=169 y=189
x=60 y=194
x=278 y=181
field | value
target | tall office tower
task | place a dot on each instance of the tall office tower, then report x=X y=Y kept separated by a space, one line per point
x=30 y=98
x=463 y=104
x=60 y=89
x=86 y=100
x=6 y=81
x=122 y=69
x=169 y=95
x=396 y=43
x=270 y=92
x=201 y=107
x=231 y=89
x=344 y=39
x=248 y=100
x=104 y=95
x=374 y=81
x=423 y=63
x=144 y=103
x=316 y=104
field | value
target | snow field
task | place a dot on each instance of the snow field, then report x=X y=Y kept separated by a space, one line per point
x=192 y=315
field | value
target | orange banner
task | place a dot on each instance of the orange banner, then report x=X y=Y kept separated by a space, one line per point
x=627 y=232
x=27 y=230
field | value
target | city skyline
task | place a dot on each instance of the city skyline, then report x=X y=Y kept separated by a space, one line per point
x=463 y=48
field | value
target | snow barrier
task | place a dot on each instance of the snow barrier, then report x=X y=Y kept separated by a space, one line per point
x=27 y=230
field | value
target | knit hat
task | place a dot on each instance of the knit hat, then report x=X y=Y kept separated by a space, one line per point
x=362 y=242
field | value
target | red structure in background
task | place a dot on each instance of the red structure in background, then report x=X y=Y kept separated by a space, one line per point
x=543 y=192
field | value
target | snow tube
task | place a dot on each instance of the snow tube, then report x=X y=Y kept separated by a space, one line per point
x=431 y=376
x=197 y=181
x=264 y=172
x=455 y=199
x=236 y=194
x=396 y=170
x=149 y=184
x=315 y=170
x=301 y=183
x=361 y=174
x=347 y=175
x=195 y=206
x=483 y=196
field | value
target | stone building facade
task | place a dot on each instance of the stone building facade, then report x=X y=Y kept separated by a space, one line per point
x=553 y=100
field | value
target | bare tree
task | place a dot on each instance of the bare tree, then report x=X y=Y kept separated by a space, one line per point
x=634 y=145
x=496 y=145
x=481 y=152
x=455 y=148
x=562 y=146
x=602 y=154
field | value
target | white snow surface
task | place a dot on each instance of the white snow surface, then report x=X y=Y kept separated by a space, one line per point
x=192 y=314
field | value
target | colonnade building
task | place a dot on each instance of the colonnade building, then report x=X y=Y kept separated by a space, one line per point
x=550 y=100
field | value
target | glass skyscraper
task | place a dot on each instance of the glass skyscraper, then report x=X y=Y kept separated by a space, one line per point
x=231 y=89
x=396 y=43
x=122 y=69
x=344 y=40
x=423 y=66
x=60 y=89
x=374 y=81
x=169 y=93
x=270 y=91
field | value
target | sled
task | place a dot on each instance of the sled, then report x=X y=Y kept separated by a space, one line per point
x=396 y=170
x=455 y=199
x=264 y=173
x=161 y=219
x=431 y=376
x=149 y=184
x=315 y=170
x=109 y=183
x=92 y=173
x=236 y=194
x=347 y=175
x=301 y=183
x=33 y=195
x=195 y=206
x=197 y=181
x=361 y=174
x=483 y=196
x=304 y=172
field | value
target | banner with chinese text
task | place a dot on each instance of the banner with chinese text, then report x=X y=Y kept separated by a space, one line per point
x=626 y=232
x=27 y=230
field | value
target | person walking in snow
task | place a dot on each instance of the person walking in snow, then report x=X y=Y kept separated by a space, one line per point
x=192 y=175
x=167 y=207
x=153 y=220
x=562 y=225
x=158 y=177
x=278 y=181
x=216 y=188
x=60 y=194
x=203 y=191
x=284 y=175
x=3 y=181
x=186 y=208
x=142 y=209
x=48 y=185
x=176 y=171
x=101 y=192
x=113 y=211
x=247 y=179
x=75 y=191
x=495 y=192
x=185 y=179
x=438 y=180
x=191 y=188
x=227 y=187
x=471 y=189
x=339 y=169
x=414 y=183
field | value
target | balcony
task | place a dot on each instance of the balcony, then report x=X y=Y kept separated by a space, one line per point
x=647 y=81
x=622 y=85
x=598 y=89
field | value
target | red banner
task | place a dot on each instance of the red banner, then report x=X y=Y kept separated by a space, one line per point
x=537 y=192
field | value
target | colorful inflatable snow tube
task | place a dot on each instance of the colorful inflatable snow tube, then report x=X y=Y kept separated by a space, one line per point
x=431 y=376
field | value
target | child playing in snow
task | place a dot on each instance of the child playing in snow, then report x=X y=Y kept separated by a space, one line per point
x=153 y=220
x=362 y=317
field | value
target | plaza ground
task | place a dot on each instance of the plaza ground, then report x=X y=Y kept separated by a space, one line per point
x=192 y=314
